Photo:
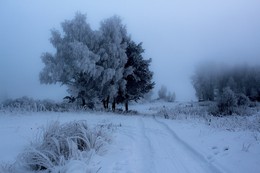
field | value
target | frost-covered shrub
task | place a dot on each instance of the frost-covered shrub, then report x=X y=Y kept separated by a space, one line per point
x=230 y=103
x=244 y=111
x=22 y=104
x=242 y=100
x=25 y=104
x=227 y=101
x=213 y=109
x=170 y=97
x=61 y=143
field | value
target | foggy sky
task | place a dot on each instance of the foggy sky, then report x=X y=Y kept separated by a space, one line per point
x=176 y=34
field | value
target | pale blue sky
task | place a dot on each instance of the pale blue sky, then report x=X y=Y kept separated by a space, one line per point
x=177 y=35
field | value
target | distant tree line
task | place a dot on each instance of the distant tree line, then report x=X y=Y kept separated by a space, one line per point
x=209 y=81
x=232 y=89
x=103 y=64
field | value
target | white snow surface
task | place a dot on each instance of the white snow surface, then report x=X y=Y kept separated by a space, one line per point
x=143 y=143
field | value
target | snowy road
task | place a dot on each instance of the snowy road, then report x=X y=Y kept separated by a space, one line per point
x=148 y=145
x=143 y=144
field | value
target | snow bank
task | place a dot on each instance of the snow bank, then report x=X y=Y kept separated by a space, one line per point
x=52 y=147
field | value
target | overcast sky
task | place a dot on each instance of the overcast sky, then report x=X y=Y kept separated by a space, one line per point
x=176 y=34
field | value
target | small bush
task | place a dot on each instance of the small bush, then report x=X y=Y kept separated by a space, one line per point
x=26 y=104
x=227 y=101
x=170 y=97
x=242 y=100
x=225 y=105
x=213 y=109
x=61 y=143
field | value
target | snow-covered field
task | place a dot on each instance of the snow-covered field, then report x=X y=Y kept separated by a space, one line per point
x=143 y=143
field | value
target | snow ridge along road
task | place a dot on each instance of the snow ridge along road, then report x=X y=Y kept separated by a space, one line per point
x=148 y=145
x=188 y=156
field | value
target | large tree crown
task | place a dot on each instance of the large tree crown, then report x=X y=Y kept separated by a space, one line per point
x=96 y=63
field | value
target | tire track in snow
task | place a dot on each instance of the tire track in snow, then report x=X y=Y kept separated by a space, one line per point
x=135 y=150
x=164 y=155
x=146 y=148
x=196 y=156
x=148 y=145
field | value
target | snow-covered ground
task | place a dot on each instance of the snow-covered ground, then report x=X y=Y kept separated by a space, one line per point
x=144 y=143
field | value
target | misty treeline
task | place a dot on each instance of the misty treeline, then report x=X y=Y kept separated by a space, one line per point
x=97 y=65
x=229 y=87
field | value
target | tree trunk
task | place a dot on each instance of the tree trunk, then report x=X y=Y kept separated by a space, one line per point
x=126 y=106
x=83 y=101
x=114 y=105
x=104 y=103
x=107 y=102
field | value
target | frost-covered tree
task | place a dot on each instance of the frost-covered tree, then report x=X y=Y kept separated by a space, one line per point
x=113 y=58
x=75 y=62
x=137 y=75
x=96 y=64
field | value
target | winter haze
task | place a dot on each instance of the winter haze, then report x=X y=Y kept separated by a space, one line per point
x=176 y=34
